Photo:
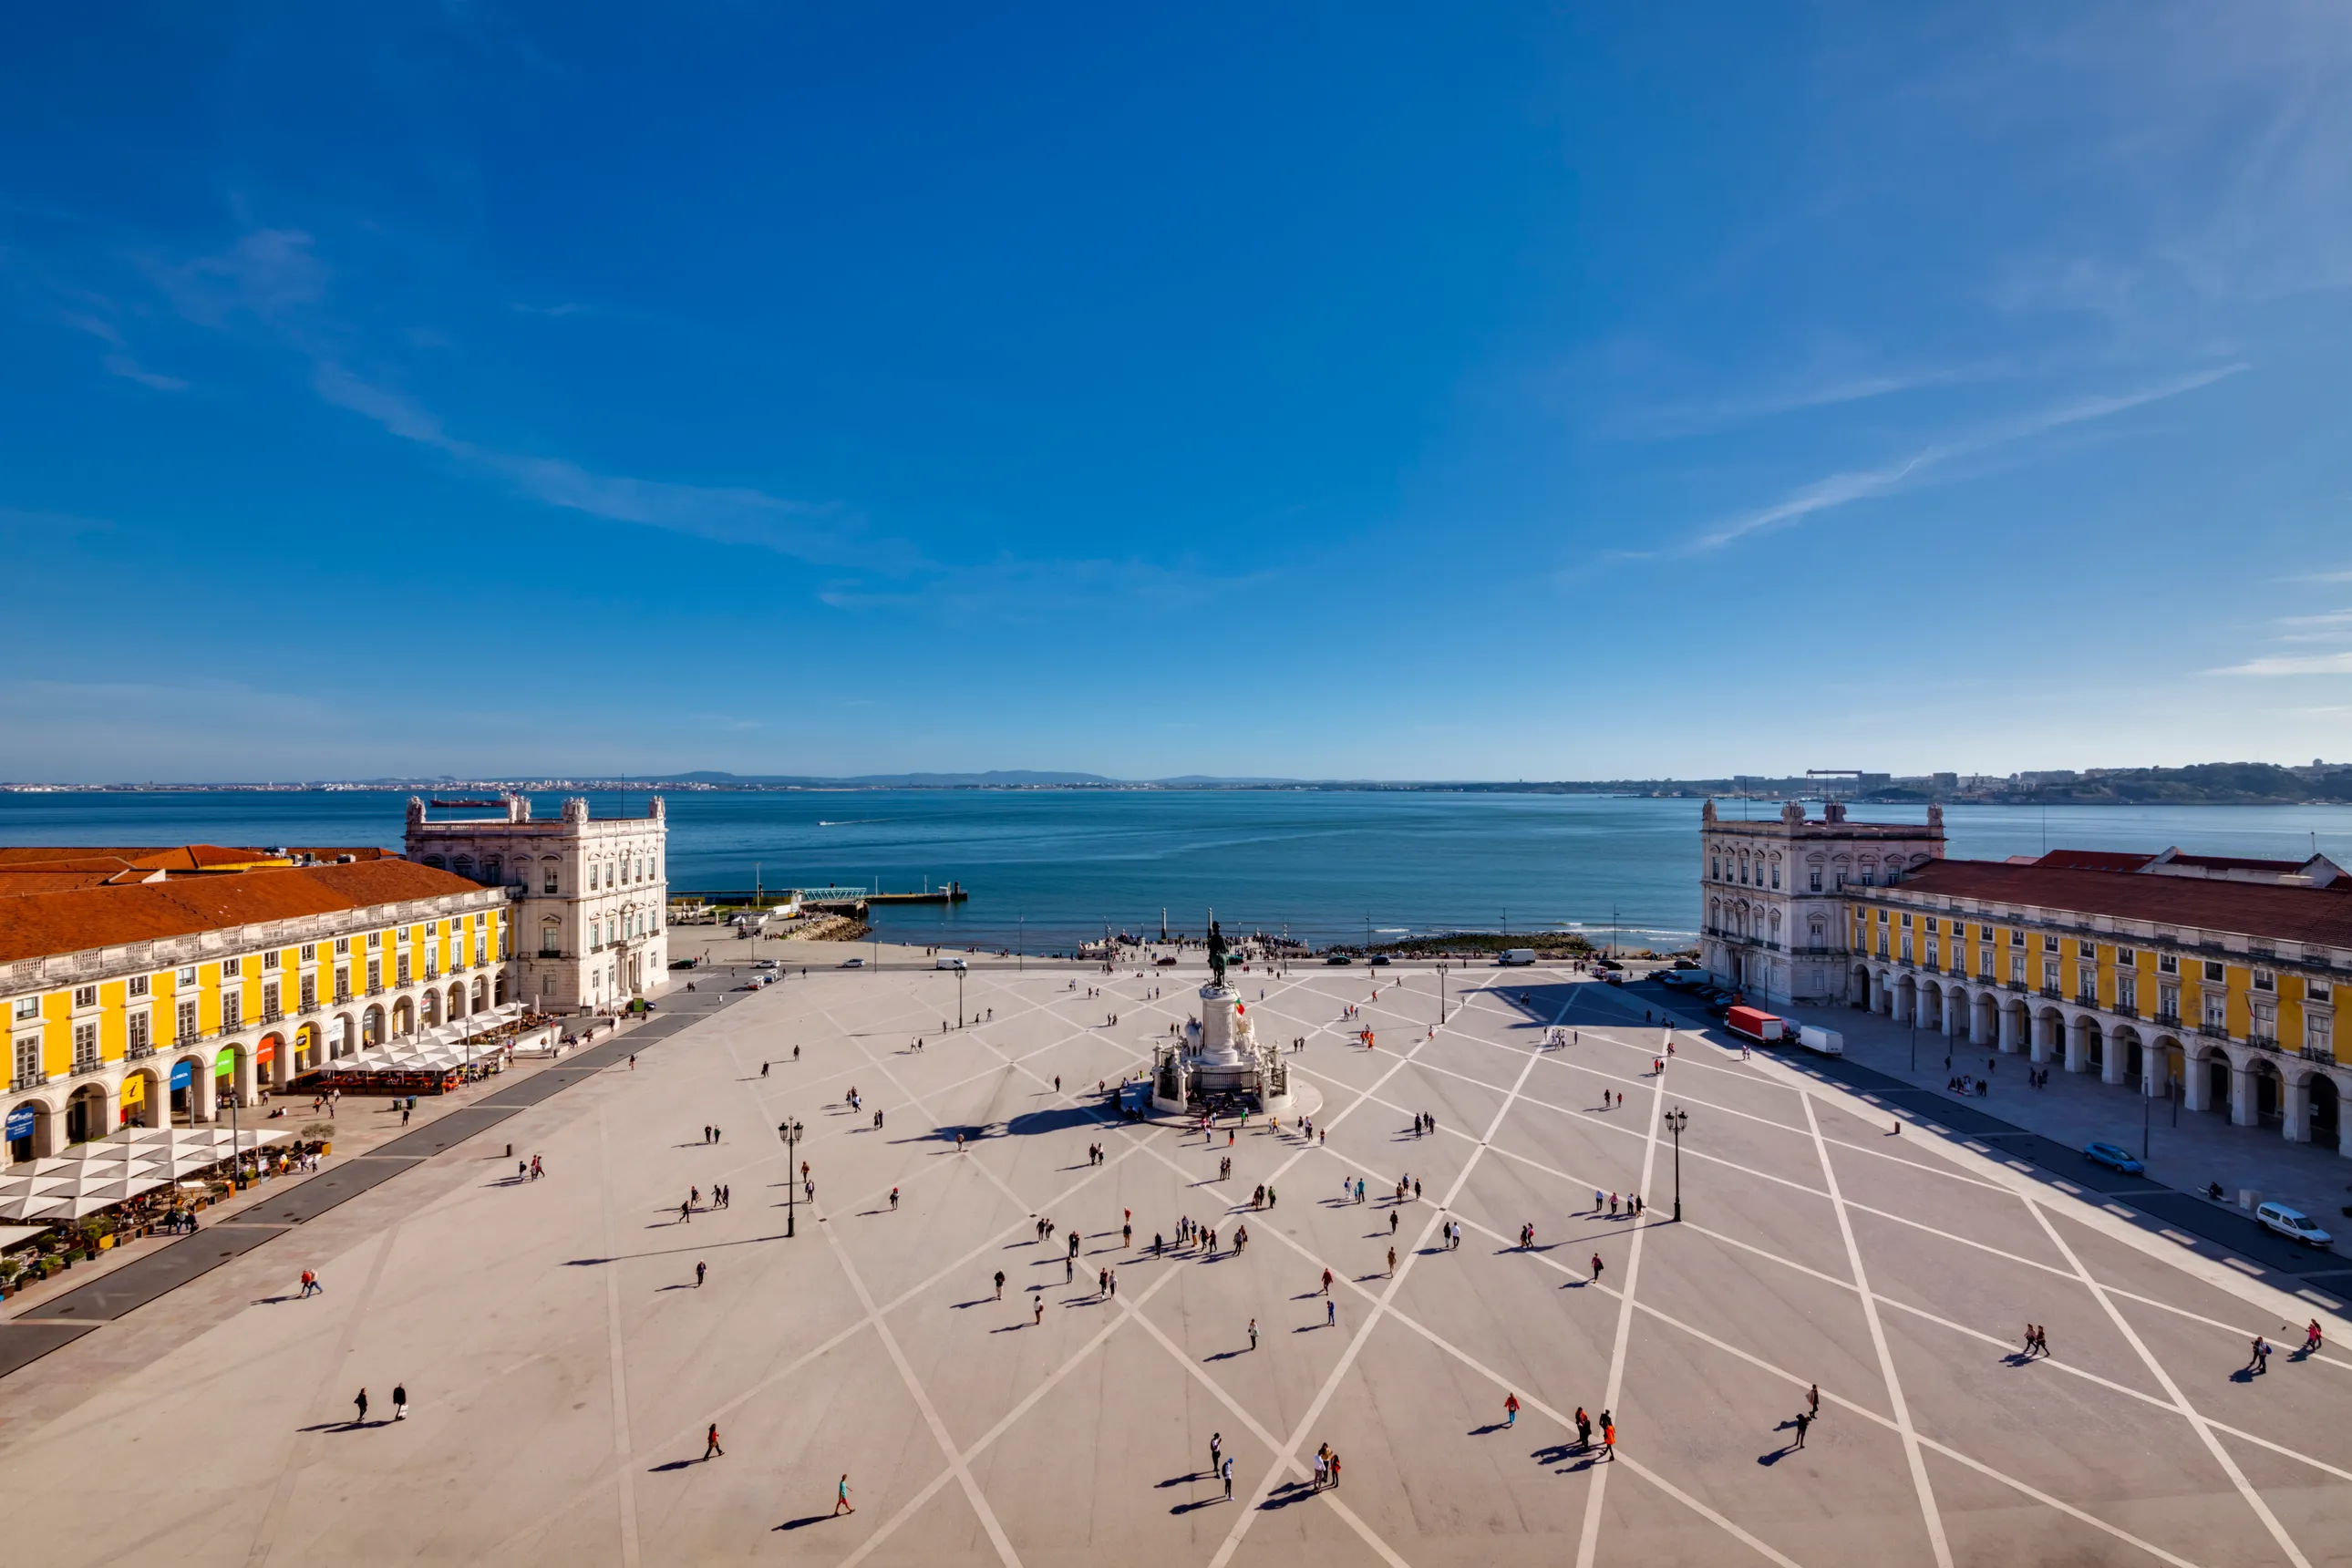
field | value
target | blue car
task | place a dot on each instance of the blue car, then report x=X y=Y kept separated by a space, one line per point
x=2113 y=1158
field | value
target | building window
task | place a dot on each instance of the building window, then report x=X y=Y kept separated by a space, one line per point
x=27 y=1007
x=343 y=984
x=2319 y=1034
x=2317 y=991
x=2049 y=945
x=187 y=1023
x=85 y=995
x=2127 y=993
x=28 y=1060
x=310 y=992
x=136 y=985
x=2050 y=976
x=376 y=975
x=310 y=952
x=343 y=944
x=2167 y=1003
x=269 y=958
x=85 y=1047
x=401 y=969
x=2126 y=958
x=1933 y=950
x=2168 y=964
x=232 y=1009
x=375 y=938
x=551 y=943
x=269 y=1000
x=1868 y=876
x=188 y=975
x=2017 y=969
x=2216 y=1011
x=549 y=881
x=1815 y=881
x=232 y=971
x=1776 y=873
x=2265 y=981
x=2214 y=974
x=1906 y=947
x=136 y=1026
x=2017 y=939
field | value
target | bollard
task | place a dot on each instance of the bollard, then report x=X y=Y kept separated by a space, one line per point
x=509 y=1151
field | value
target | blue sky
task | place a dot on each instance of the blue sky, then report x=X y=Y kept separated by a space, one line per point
x=1523 y=392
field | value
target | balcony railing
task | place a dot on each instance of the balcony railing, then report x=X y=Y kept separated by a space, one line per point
x=2052 y=993
x=137 y=1053
x=2262 y=1042
x=2214 y=1031
x=2317 y=1053
x=2124 y=1010
x=26 y=1080
x=2017 y=985
x=2170 y=1020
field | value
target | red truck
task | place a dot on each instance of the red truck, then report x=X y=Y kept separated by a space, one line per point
x=1754 y=1024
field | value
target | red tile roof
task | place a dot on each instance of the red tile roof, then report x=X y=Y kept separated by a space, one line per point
x=2091 y=860
x=38 y=924
x=2264 y=910
x=179 y=856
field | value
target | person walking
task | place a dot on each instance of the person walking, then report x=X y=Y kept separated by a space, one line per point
x=1596 y=1268
x=1000 y=1284
x=1510 y=1410
x=710 y=1443
x=1583 y=1430
x=1037 y=1312
x=894 y=1200
x=1327 y=1281
x=699 y=1270
x=2260 y=1361
x=400 y=1402
x=1609 y=1436
x=1813 y=1400
x=841 y=1503
x=1331 y=1313
x=1253 y=1333
x=361 y=1406
x=1216 y=1450
x=1391 y=1262
x=1227 y=1471
x=1804 y=1420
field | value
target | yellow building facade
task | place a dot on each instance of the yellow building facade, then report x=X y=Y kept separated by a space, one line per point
x=158 y=1000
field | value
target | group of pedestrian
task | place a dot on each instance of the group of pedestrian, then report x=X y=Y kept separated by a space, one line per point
x=399 y=1404
x=2037 y=1341
x=1327 y=1467
x=1608 y=1434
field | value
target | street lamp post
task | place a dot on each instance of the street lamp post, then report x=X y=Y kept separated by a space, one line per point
x=789 y=1130
x=958 y=995
x=1676 y=1120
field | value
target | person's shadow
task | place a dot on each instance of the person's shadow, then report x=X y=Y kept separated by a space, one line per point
x=805 y=1520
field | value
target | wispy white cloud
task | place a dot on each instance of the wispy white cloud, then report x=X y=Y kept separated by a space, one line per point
x=2292 y=664
x=1845 y=489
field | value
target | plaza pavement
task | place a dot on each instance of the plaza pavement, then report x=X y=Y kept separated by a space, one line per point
x=564 y=1365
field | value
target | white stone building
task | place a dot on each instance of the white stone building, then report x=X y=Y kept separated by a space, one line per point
x=1773 y=895
x=590 y=896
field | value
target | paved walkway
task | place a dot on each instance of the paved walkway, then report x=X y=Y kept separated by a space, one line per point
x=565 y=1359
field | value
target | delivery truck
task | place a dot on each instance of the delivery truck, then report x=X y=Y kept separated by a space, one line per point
x=1755 y=1024
x=1828 y=1042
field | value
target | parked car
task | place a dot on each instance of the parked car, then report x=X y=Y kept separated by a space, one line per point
x=1378 y=960
x=1340 y=958
x=948 y=961
x=853 y=963
x=2293 y=1223
x=1164 y=961
x=2113 y=1158
x=684 y=962
x=765 y=964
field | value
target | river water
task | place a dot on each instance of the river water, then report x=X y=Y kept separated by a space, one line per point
x=1047 y=868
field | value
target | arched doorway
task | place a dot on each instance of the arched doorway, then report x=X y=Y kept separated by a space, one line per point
x=2217 y=1082
x=31 y=1130
x=372 y=1026
x=85 y=1114
x=143 y=1104
x=404 y=1017
x=186 y=1074
x=2269 y=1089
x=2326 y=1110
x=481 y=996
x=431 y=1008
x=457 y=1001
x=229 y=1071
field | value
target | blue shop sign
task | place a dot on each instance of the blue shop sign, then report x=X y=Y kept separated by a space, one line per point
x=20 y=1123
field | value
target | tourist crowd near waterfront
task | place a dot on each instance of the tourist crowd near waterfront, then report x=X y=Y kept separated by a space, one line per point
x=861 y=1249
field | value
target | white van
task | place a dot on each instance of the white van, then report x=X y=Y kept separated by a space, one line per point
x=1829 y=1042
x=1516 y=957
x=944 y=962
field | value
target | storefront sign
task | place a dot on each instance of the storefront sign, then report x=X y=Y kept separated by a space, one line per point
x=182 y=1074
x=134 y=1090
x=20 y=1123
x=225 y=1063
